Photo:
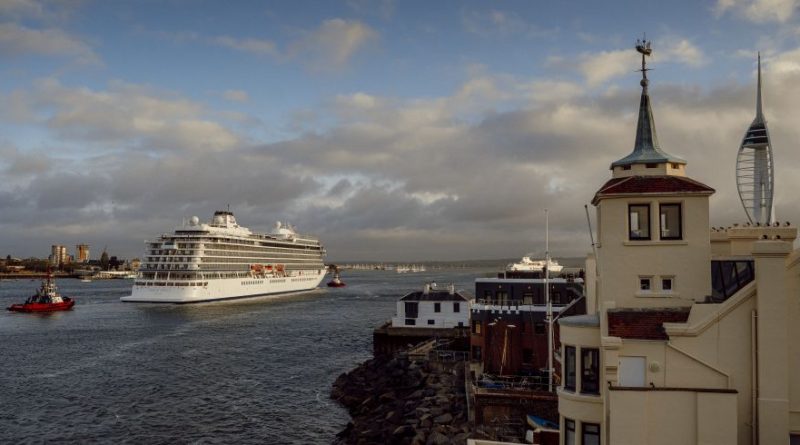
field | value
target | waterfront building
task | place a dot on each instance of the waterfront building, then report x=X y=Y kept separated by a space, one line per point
x=433 y=307
x=509 y=379
x=437 y=315
x=82 y=253
x=688 y=335
x=509 y=325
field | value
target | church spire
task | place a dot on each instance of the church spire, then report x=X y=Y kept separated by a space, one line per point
x=646 y=149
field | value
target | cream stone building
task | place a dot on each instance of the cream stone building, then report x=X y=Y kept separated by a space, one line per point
x=692 y=334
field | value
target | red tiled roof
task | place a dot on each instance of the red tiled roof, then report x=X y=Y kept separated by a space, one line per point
x=644 y=324
x=636 y=185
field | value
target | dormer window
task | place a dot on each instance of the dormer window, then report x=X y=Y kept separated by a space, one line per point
x=670 y=221
x=639 y=221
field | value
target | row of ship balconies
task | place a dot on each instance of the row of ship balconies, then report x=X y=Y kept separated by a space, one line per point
x=207 y=263
x=254 y=256
x=168 y=242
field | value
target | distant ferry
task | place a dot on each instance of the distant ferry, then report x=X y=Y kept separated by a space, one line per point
x=529 y=265
x=412 y=268
x=222 y=260
x=114 y=274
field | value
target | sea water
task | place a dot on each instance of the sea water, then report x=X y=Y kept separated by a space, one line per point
x=244 y=371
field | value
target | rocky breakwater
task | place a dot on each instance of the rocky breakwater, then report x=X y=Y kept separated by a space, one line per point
x=398 y=401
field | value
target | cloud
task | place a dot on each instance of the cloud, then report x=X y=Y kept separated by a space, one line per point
x=446 y=184
x=501 y=24
x=462 y=175
x=236 y=95
x=125 y=115
x=758 y=11
x=16 y=39
x=601 y=67
x=45 y=11
x=333 y=43
x=684 y=52
x=330 y=46
x=260 y=47
x=381 y=8
x=21 y=8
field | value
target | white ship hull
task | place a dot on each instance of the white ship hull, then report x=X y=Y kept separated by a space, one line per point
x=224 y=289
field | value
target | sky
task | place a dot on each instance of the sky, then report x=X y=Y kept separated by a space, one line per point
x=393 y=130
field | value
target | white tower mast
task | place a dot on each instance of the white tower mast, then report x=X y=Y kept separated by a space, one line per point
x=755 y=174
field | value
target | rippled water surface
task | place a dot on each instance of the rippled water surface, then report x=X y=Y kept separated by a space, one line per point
x=250 y=371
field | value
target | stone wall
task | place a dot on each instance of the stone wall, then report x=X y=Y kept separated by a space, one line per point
x=398 y=401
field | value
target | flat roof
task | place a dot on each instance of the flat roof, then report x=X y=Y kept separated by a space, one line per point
x=434 y=295
x=529 y=280
x=586 y=320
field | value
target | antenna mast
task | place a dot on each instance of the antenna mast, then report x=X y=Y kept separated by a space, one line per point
x=643 y=46
x=547 y=299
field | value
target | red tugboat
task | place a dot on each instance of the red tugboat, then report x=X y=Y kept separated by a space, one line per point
x=47 y=299
x=336 y=281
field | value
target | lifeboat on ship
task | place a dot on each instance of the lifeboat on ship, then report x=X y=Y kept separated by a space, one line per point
x=46 y=299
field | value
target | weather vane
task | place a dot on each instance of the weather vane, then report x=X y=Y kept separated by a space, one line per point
x=643 y=46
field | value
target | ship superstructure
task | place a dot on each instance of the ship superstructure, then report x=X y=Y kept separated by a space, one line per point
x=223 y=260
x=530 y=265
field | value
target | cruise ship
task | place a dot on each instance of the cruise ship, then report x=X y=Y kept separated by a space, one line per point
x=221 y=260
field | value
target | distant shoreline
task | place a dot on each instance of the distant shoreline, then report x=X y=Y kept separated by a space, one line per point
x=33 y=275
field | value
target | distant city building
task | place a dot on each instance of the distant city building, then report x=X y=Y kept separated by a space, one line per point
x=58 y=255
x=82 y=253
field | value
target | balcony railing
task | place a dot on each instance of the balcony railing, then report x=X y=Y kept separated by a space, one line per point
x=516 y=305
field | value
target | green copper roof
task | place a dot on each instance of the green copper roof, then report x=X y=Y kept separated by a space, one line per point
x=646 y=149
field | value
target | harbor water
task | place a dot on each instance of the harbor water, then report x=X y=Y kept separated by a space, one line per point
x=245 y=371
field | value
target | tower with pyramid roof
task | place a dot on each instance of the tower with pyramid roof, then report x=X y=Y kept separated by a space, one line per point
x=652 y=222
